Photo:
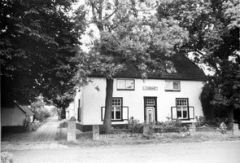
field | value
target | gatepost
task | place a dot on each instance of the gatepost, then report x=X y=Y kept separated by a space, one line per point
x=71 y=133
x=192 y=128
x=236 y=130
x=147 y=130
x=95 y=131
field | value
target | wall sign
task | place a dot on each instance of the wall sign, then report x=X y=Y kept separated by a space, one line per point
x=150 y=88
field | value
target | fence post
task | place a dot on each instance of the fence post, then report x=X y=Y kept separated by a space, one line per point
x=147 y=130
x=95 y=132
x=235 y=130
x=192 y=128
x=71 y=132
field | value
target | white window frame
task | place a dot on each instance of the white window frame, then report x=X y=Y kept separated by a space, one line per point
x=124 y=84
x=182 y=106
x=169 y=85
x=117 y=107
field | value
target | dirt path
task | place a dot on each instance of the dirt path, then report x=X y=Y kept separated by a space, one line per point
x=45 y=133
x=206 y=152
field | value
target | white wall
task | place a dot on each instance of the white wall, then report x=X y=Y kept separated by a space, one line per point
x=93 y=99
x=72 y=109
x=12 y=117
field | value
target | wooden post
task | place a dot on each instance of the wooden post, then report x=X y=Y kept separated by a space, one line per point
x=95 y=132
x=71 y=133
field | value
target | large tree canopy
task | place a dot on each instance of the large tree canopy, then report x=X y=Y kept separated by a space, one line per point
x=130 y=33
x=213 y=27
x=38 y=40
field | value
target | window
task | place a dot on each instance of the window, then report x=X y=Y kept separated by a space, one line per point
x=150 y=102
x=119 y=112
x=172 y=85
x=182 y=108
x=117 y=108
x=125 y=84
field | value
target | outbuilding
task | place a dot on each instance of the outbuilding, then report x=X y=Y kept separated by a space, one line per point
x=16 y=115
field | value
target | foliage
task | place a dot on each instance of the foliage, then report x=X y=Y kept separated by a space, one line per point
x=206 y=98
x=200 y=121
x=169 y=126
x=213 y=27
x=32 y=126
x=38 y=40
x=41 y=114
x=130 y=34
x=6 y=157
x=127 y=37
x=134 y=126
x=221 y=94
x=37 y=107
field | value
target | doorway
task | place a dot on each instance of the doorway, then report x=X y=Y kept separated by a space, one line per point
x=150 y=109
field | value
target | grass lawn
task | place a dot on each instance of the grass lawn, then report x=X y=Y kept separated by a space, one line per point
x=85 y=138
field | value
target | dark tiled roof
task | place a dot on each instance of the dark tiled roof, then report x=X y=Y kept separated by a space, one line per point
x=185 y=70
x=24 y=108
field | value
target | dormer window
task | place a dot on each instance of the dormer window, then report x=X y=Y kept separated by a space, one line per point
x=125 y=84
x=172 y=85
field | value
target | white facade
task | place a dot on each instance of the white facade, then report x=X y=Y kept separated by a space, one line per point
x=91 y=98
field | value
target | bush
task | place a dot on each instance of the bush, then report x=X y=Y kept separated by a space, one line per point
x=32 y=126
x=134 y=126
x=200 y=121
x=63 y=125
x=169 y=126
x=41 y=114
x=6 y=157
x=214 y=122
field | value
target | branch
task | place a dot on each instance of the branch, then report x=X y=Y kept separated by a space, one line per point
x=116 y=9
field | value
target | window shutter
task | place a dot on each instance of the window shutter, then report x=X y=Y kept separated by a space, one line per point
x=191 y=113
x=102 y=112
x=174 y=113
x=125 y=113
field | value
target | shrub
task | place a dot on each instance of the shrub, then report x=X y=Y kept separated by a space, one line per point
x=6 y=157
x=41 y=114
x=33 y=126
x=63 y=124
x=200 y=121
x=169 y=126
x=214 y=122
x=134 y=126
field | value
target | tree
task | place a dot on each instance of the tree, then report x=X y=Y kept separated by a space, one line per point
x=213 y=27
x=38 y=41
x=129 y=33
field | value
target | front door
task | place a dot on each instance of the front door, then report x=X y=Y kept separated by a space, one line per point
x=150 y=109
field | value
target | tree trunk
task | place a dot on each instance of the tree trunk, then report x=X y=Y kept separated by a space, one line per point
x=231 y=118
x=63 y=113
x=108 y=106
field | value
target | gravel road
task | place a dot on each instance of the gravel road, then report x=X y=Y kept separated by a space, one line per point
x=204 y=152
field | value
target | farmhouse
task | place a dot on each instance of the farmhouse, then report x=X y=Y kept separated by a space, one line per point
x=160 y=97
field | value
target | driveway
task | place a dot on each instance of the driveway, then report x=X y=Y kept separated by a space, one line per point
x=45 y=133
x=205 y=152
